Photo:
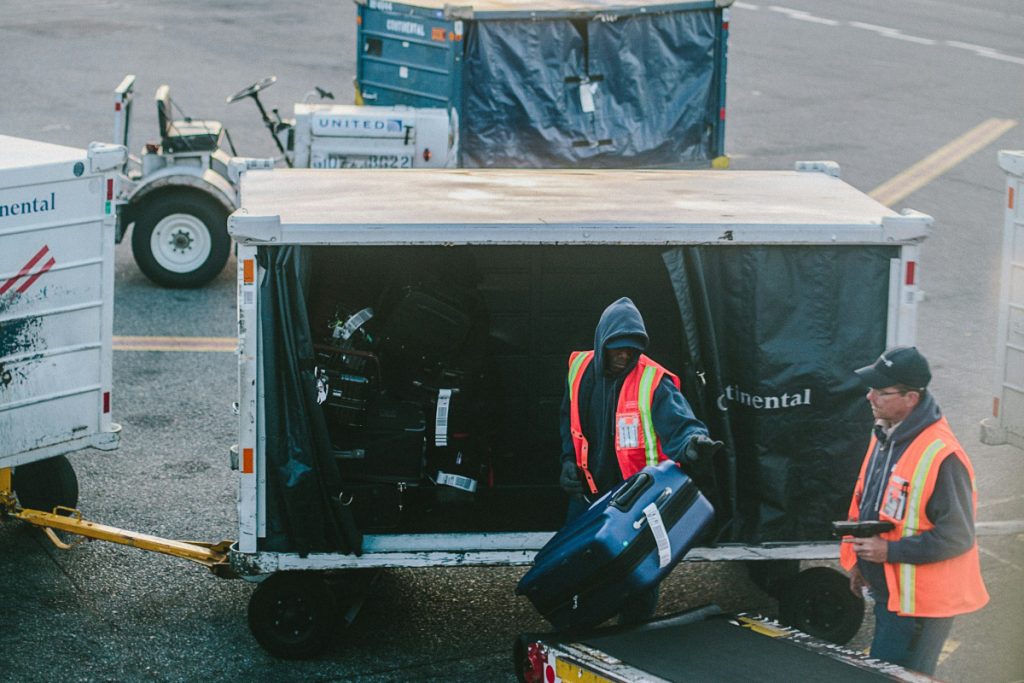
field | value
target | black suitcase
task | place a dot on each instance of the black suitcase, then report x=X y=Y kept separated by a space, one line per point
x=433 y=336
x=456 y=440
x=626 y=542
x=376 y=506
x=346 y=381
x=389 y=447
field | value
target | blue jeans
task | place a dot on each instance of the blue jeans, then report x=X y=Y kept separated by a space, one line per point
x=911 y=642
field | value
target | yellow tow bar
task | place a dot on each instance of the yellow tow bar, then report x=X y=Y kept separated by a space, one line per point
x=211 y=555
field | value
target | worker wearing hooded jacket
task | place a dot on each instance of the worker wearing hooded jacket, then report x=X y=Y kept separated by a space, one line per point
x=603 y=392
x=622 y=411
x=916 y=476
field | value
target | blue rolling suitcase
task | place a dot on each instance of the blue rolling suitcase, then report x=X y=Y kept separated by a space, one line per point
x=627 y=541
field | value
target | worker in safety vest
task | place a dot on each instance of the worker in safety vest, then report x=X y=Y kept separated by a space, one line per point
x=622 y=411
x=917 y=476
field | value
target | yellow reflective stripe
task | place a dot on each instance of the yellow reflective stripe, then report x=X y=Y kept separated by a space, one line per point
x=574 y=369
x=643 y=401
x=912 y=522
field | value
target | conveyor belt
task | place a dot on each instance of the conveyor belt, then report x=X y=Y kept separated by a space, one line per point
x=722 y=649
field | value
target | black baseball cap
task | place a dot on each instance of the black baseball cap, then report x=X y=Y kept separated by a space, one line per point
x=898 y=365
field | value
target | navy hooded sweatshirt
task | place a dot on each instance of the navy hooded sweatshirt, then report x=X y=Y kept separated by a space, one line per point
x=674 y=421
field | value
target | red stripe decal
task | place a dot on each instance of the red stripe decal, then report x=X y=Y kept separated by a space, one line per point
x=28 y=266
x=28 y=283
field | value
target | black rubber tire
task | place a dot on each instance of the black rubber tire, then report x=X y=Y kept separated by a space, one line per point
x=292 y=614
x=819 y=602
x=45 y=484
x=205 y=209
x=773 y=576
x=519 y=660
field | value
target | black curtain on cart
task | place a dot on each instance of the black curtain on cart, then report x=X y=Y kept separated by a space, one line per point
x=772 y=335
x=596 y=92
x=304 y=513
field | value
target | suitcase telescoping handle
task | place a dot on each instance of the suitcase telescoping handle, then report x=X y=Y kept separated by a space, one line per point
x=662 y=497
x=634 y=488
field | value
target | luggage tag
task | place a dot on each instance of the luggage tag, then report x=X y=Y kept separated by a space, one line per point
x=444 y=398
x=895 y=501
x=322 y=385
x=345 y=331
x=657 y=526
x=587 y=90
x=627 y=430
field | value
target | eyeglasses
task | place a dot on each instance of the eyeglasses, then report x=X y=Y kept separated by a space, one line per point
x=890 y=393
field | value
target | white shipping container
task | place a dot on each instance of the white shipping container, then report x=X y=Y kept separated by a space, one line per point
x=57 y=222
x=1007 y=422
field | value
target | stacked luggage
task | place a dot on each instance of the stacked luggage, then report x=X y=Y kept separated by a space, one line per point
x=402 y=386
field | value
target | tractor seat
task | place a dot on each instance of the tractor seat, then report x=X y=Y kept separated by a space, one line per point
x=185 y=135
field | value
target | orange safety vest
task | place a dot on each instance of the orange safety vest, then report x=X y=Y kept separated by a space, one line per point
x=934 y=589
x=636 y=443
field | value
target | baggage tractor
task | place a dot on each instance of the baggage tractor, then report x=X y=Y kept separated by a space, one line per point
x=627 y=541
x=389 y=447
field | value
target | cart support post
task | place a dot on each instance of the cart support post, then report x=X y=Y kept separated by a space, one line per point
x=6 y=490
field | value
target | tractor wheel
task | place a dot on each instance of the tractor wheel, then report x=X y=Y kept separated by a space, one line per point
x=181 y=240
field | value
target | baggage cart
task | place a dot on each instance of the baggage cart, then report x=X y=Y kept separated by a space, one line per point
x=550 y=84
x=58 y=215
x=1007 y=422
x=761 y=289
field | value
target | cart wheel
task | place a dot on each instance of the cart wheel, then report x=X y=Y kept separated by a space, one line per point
x=181 y=240
x=772 y=576
x=527 y=661
x=819 y=602
x=45 y=484
x=291 y=614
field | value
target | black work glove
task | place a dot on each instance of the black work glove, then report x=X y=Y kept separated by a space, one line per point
x=570 y=480
x=701 y=449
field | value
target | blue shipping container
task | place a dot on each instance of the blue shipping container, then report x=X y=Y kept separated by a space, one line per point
x=550 y=83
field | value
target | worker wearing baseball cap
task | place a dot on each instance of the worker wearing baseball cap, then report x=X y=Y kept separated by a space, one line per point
x=916 y=476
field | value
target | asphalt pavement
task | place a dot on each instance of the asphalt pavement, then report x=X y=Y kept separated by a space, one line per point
x=875 y=86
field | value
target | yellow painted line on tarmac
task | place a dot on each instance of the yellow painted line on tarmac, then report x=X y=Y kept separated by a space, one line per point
x=940 y=161
x=948 y=648
x=193 y=344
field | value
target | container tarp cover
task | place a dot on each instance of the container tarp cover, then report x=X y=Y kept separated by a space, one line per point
x=651 y=77
x=775 y=334
x=304 y=513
